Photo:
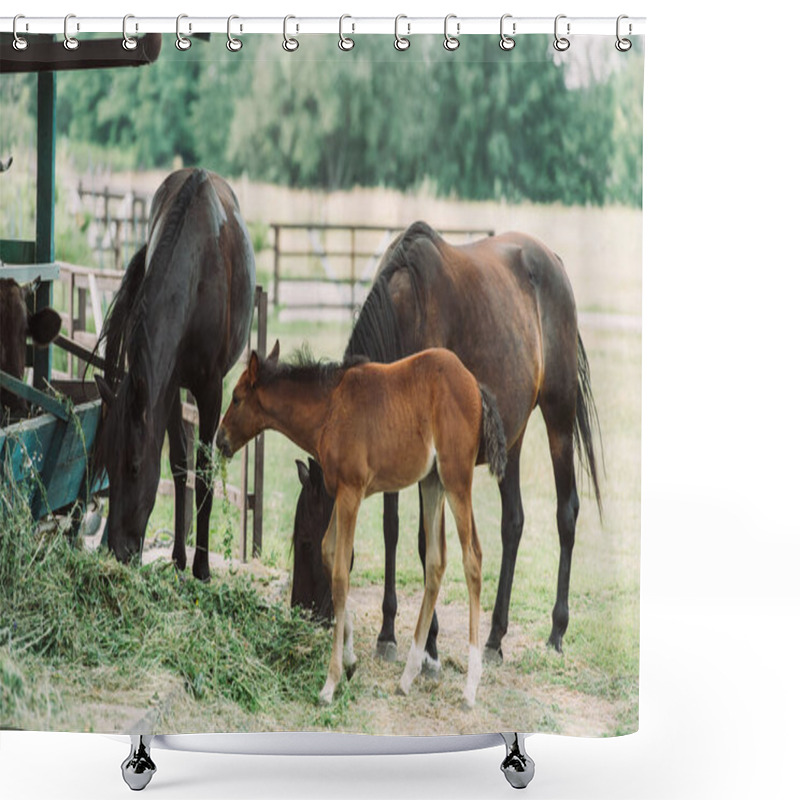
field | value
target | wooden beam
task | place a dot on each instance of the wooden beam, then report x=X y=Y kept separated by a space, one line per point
x=52 y=56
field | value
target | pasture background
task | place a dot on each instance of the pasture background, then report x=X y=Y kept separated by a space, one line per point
x=719 y=694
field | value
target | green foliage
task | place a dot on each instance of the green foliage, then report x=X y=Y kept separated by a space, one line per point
x=477 y=123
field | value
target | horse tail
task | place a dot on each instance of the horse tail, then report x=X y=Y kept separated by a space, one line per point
x=586 y=421
x=493 y=440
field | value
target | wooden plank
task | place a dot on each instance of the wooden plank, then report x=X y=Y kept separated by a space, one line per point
x=45 y=55
x=17 y=251
x=33 y=395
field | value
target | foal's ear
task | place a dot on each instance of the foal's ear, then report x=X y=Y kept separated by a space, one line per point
x=252 y=368
x=302 y=473
x=275 y=354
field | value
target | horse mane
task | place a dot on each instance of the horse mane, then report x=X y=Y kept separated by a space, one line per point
x=303 y=367
x=377 y=333
x=125 y=332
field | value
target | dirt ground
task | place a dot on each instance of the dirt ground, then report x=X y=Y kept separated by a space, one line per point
x=509 y=697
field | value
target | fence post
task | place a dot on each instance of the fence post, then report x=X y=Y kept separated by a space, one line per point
x=244 y=505
x=277 y=258
x=352 y=269
x=258 y=468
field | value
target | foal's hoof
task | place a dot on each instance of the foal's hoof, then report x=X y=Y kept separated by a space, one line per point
x=492 y=656
x=350 y=670
x=386 y=651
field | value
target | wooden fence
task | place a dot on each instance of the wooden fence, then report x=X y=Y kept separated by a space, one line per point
x=319 y=266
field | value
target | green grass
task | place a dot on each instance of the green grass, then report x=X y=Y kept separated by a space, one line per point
x=70 y=610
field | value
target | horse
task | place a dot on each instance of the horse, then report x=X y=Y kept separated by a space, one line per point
x=17 y=323
x=181 y=318
x=505 y=306
x=379 y=428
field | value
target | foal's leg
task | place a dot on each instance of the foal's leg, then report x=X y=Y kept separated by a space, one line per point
x=337 y=553
x=386 y=646
x=561 y=452
x=178 y=465
x=209 y=401
x=431 y=659
x=461 y=506
x=432 y=493
x=513 y=518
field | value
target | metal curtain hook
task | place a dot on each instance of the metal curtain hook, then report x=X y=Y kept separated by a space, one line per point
x=400 y=42
x=233 y=44
x=623 y=45
x=19 y=42
x=289 y=44
x=345 y=42
x=451 y=42
x=506 y=42
x=128 y=43
x=181 y=42
x=70 y=42
x=561 y=43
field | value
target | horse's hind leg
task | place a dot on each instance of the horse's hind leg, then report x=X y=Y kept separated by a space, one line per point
x=562 y=455
x=432 y=495
x=386 y=646
x=209 y=402
x=431 y=660
x=513 y=519
x=461 y=506
x=178 y=466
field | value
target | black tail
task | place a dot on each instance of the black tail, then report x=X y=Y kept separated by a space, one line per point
x=585 y=422
x=493 y=441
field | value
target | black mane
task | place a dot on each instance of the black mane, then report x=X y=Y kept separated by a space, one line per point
x=377 y=333
x=303 y=367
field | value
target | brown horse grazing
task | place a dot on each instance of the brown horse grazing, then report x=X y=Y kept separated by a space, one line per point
x=180 y=319
x=505 y=306
x=379 y=428
x=16 y=324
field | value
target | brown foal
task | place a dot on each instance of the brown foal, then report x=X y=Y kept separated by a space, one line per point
x=380 y=428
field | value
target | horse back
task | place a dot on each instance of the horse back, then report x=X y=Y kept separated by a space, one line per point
x=388 y=422
x=200 y=248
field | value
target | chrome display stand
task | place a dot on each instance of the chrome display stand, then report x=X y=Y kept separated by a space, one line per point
x=139 y=767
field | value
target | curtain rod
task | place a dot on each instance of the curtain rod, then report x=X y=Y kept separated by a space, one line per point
x=74 y=25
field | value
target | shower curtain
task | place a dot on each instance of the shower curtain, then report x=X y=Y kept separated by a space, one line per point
x=346 y=162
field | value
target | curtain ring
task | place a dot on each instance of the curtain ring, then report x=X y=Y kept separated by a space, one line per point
x=623 y=45
x=506 y=42
x=345 y=42
x=19 y=42
x=289 y=44
x=181 y=42
x=70 y=42
x=561 y=43
x=233 y=44
x=128 y=43
x=451 y=42
x=400 y=42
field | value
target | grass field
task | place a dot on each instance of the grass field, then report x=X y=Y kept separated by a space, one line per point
x=592 y=689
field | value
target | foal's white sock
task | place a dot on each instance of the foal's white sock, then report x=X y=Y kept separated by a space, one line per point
x=474 y=671
x=413 y=667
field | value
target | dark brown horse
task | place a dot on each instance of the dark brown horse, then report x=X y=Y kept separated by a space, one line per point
x=505 y=306
x=379 y=428
x=17 y=324
x=180 y=319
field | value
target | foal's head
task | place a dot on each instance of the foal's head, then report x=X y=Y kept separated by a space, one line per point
x=245 y=417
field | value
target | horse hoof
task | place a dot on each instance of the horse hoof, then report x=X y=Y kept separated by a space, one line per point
x=202 y=575
x=431 y=669
x=492 y=656
x=138 y=768
x=350 y=670
x=555 y=641
x=386 y=651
